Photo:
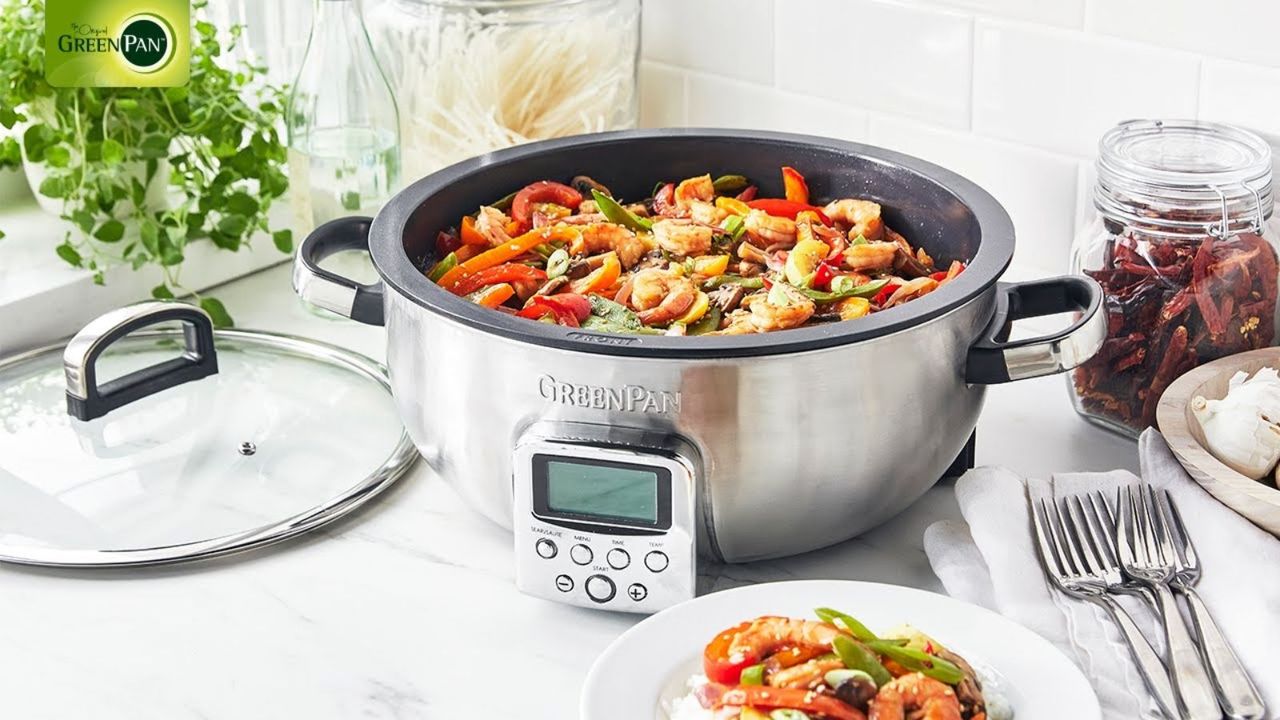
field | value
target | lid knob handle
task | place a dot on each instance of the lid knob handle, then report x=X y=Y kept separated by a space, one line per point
x=86 y=399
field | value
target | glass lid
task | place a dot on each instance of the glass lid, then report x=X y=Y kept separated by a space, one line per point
x=152 y=438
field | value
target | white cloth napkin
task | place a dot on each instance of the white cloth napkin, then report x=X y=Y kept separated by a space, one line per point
x=990 y=560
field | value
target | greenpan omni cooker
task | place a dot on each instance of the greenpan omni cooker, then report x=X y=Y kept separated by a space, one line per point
x=616 y=459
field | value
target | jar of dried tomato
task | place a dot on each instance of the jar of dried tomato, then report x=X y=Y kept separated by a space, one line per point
x=1183 y=243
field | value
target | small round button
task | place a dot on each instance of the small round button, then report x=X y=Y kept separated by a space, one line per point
x=546 y=548
x=600 y=588
x=637 y=592
x=618 y=558
x=564 y=583
x=656 y=561
x=581 y=554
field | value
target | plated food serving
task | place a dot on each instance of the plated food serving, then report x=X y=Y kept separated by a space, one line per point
x=700 y=256
x=623 y=432
x=764 y=651
x=832 y=668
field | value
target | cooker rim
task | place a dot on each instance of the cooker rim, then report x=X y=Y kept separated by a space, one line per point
x=398 y=272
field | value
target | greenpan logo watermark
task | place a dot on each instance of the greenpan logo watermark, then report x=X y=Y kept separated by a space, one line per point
x=117 y=43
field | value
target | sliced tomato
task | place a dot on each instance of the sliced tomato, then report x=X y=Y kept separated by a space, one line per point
x=506 y=273
x=543 y=191
x=664 y=201
x=779 y=207
x=718 y=666
x=794 y=186
x=714 y=696
x=567 y=308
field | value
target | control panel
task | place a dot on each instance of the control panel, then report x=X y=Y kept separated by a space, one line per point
x=604 y=517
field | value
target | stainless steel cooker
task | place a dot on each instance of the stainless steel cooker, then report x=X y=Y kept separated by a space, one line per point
x=617 y=459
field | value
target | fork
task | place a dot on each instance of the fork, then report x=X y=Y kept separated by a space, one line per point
x=1146 y=553
x=1063 y=552
x=1236 y=692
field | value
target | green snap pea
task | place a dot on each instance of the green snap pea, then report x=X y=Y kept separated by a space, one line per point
x=752 y=283
x=919 y=661
x=866 y=290
x=729 y=183
x=857 y=656
x=615 y=213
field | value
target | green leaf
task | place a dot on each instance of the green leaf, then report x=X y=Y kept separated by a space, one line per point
x=58 y=156
x=68 y=253
x=233 y=225
x=149 y=234
x=127 y=104
x=84 y=220
x=112 y=152
x=217 y=311
x=283 y=240
x=154 y=146
x=110 y=231
x=242 y=203
x=54 y=186
x=35 y=140
x=1 y=234
x=161 y=292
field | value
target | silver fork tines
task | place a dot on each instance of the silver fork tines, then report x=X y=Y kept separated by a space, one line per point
x=1146 y=552
x=1062 y=548
x=1236 y=691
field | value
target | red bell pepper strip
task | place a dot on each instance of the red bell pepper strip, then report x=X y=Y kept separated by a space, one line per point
x=567 y=308
x=748 y=194
x=787 y=208
x=823 y=276
x=885 y=293
x=447 y=242
x=510 y=272
x=794 y=186
x=664 y=201
x=543 y=191
x=714 y=696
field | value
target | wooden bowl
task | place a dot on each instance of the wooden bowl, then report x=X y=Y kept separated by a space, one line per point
x=1257 y=500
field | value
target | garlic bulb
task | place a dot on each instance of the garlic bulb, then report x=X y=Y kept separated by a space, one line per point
x=1241 y=429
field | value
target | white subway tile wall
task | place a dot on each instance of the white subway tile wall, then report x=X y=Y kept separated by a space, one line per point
x=1010 y=93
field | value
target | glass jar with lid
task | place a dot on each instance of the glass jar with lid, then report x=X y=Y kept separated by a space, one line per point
x=1183 y=243
x=471 y=76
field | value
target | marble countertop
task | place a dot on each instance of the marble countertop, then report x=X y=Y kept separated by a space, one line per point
x=407 y=609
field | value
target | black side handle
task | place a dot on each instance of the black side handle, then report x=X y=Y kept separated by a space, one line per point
x=994 y=359
x=87 y=400
x=322 y=288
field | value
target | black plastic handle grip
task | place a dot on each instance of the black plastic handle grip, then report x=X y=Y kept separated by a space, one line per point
x=86 y=399
x=320 y=287
x=994 y=359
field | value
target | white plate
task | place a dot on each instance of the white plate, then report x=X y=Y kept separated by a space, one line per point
x=649 y=664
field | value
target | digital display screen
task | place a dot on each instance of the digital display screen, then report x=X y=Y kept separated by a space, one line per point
x=602 y=490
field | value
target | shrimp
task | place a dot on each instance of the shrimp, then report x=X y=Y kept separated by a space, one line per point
x=871 y=256
x=766 y=634
x=490 y=224
x=862 y=217
x=737 y=322
x=680 y=237
x=764 y=229
x=695 y=188
x=807 y=675
x=926 y=698
x=661 y=295
x=603 y=237
x=706 y=213
x=783 y=308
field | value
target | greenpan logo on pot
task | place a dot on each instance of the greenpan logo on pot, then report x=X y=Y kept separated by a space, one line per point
x=117 y=43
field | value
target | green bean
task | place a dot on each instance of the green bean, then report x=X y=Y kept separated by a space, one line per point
x=857 y=656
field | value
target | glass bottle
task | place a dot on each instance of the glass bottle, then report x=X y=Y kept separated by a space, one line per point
x=343 y=126
x=1182 y=242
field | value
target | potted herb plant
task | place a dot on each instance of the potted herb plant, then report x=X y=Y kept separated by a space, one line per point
x=142 y=172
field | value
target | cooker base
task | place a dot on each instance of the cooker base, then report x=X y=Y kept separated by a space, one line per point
x=965 y=461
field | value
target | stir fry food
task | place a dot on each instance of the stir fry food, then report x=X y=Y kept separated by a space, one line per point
x=701 y=256
x=832 y=668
